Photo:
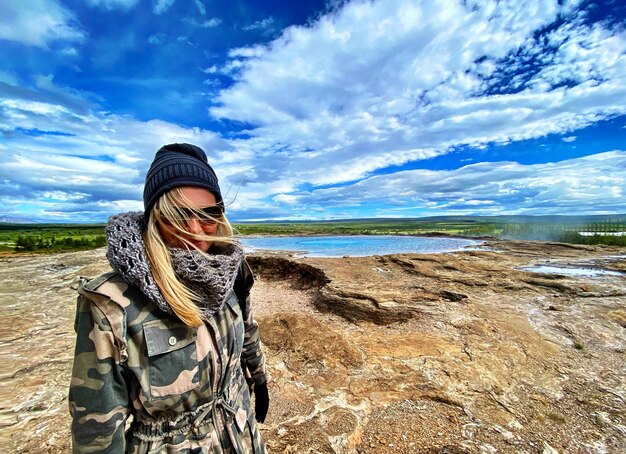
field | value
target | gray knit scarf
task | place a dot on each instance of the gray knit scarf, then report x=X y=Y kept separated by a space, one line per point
x=212 y=277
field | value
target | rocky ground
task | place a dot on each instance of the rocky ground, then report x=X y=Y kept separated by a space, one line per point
x=441 y=353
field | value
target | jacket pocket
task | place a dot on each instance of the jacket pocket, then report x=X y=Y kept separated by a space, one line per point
x=172 y=357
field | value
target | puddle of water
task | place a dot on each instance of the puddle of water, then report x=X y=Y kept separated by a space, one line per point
x=580 y=272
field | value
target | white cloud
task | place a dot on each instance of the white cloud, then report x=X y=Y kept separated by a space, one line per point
x=208 y=23
x=40 y=208
x=16 y=109
x=108 y=5
x=69 y=52
x=569 y=139
x=260 y=24
x=63 y=195
x=377 y=84
x=70 y=161
x=200 y=6
x=285 y=198
x=161 y=6
x=157 y=39
x=586 y=53
x=592 y=184
x=247 y=52
x=38 y=23
x=8 y=77
x=213 y=22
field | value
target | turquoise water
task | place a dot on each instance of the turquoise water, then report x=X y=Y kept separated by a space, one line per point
x=357 y=245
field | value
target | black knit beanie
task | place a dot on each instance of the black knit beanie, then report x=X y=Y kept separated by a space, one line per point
x=175 y=165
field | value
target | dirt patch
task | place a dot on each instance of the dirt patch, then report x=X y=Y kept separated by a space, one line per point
x=308 y=347
x=416 y=426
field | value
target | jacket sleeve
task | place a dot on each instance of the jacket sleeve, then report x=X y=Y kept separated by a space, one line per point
x=252 y=356
x=98 y=397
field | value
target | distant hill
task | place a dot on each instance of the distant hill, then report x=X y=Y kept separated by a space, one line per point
x=524 y=219
x=16 y=220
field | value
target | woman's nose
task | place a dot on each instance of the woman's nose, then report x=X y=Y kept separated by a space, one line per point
x=194 y=225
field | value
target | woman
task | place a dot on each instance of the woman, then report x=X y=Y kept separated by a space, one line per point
x=163 y=341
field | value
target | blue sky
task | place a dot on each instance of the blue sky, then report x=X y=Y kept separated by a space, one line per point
x=316 y=109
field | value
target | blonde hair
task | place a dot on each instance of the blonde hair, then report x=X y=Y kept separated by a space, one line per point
x=180 y=298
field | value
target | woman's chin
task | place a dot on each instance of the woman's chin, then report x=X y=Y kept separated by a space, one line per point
x=202 y=246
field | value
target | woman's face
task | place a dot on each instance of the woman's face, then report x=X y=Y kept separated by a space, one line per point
x=196 y=198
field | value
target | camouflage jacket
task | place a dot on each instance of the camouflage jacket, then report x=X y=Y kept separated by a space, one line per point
x=143 y=382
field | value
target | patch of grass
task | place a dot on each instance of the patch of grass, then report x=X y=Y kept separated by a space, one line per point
x=578 y=346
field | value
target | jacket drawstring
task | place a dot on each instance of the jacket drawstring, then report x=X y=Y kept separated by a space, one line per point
x=150 y=431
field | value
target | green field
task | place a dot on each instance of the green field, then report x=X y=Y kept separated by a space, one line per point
x=65 y=237
x=545 y=228
x=51 y=237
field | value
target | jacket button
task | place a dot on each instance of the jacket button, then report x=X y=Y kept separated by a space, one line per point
x=172 y=341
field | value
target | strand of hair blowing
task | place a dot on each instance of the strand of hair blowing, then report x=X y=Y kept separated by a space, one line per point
x=179 y=296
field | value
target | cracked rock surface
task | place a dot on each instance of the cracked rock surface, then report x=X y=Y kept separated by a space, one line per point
x=438 y=353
